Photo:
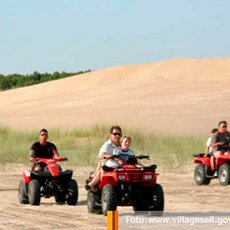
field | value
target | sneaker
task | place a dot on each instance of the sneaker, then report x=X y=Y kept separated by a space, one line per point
x=89 y=187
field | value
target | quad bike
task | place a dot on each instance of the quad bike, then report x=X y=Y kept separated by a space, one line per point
x=49 y=182
x=203 y=173
x=131 y=185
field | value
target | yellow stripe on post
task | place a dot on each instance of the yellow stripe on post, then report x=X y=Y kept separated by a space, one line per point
x=112 y=220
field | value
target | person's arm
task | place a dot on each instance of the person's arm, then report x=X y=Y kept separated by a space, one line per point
x=105 y=155
x=55 y=152
x=217 y=144
x=215 y=141
x=208 y=144
x=32 y=157
x=206 y=151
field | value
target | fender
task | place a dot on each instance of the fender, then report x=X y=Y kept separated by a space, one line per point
x=108 y=178
x=222 y=159
x=202 y=160
x=53 y=168
x=26 y=176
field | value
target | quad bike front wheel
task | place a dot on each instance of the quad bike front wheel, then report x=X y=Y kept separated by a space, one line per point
x=224 y=174
x=142 y=206
x=140 y=209
x=200 y=175
x=157 y=204
x=22 y=193
x=34 y=192
x=72 y=194
x=60 y=198
x=108 y=199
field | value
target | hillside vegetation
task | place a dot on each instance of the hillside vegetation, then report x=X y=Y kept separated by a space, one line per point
x=17 y=80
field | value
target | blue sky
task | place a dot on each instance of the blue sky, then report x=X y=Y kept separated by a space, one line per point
x=73 y=35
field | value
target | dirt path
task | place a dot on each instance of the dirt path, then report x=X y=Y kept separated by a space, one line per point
x=181 y=194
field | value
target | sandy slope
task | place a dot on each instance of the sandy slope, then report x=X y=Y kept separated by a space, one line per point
x=175 y=96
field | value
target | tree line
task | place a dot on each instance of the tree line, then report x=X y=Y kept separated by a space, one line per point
x=17 y=80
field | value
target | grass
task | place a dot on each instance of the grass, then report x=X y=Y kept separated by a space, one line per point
x=81 y=146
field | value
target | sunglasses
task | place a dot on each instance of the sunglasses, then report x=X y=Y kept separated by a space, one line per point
x=116 y=134
x=224 y=126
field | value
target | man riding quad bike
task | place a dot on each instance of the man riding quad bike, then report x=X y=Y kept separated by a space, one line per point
x=131 y=185
x=48 y=182
x=46 y=178
x=203 y=172
x=218 y=161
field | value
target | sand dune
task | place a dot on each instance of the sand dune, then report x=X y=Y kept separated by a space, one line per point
x=176 y=96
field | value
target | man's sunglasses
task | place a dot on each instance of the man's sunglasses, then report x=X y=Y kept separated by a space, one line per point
x=116 y=134
x=224 y=126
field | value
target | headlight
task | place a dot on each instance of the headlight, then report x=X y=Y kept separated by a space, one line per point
x=121 y=177
x=148 y=177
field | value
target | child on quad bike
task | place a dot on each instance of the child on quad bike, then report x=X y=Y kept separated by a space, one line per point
x=209 y=149
x=123 y=151
x=42 y=149
x=116 y=163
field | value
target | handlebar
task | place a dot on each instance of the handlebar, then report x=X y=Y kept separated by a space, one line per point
x=46 y=160
x=130 y=157
x=143 y=157
x=198 y=154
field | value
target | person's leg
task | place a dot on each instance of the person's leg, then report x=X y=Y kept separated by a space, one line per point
x=212 y=163
x=59 y=168
x=97 y=169
x=96 y=179
x=38 y=167
x=102 y=172
x=217 y=154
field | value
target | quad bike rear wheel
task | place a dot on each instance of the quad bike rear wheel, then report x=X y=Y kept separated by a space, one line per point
x=224 y=174
x=34 y=192
x=152 y=202
x=22 y=193
x=72 y=194
x=200 y=175
x=108 y=199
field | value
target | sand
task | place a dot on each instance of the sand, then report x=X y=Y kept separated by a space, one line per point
x=179 y=96
x=181 y=194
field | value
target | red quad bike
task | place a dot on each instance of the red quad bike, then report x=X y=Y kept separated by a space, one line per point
x=203 y=173
x=131 y=185
x=49 y=182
